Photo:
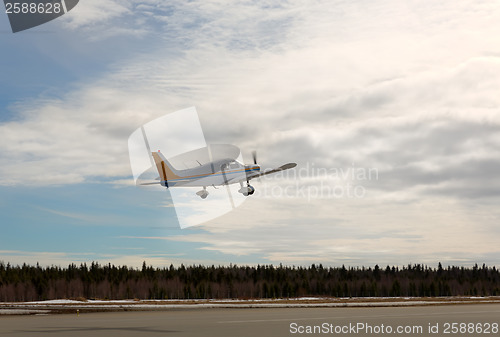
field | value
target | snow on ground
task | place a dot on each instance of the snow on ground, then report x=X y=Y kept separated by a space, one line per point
x=302 y=302
x=52 y=302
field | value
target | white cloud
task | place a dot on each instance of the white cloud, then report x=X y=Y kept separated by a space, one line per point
x=357 y=232
x=408 y=88
x=96 y=12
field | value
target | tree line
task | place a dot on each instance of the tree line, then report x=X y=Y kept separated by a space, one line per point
x=95 y=281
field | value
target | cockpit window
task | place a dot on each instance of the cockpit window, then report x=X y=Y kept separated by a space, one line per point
x=230 y=166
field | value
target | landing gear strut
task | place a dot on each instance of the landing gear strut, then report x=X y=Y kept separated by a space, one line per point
x=246 y=190
x=203 y=193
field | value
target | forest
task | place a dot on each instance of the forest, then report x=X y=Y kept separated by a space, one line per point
x=95 y=281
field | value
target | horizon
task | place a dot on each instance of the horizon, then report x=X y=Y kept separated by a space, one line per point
x=406 y=94
x=236 y=265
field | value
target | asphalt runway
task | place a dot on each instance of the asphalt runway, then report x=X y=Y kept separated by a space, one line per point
x=264 y=322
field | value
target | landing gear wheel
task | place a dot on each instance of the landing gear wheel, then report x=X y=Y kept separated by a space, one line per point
x=247 y=190
x=203 y=193
x=251 y=190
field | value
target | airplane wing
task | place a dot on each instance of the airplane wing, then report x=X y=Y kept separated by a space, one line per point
x=281 y=168
x=251 y=176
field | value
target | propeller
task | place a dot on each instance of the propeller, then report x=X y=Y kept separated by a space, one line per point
x=254 y=156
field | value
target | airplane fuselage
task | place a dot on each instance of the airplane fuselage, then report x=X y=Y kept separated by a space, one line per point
x=212 y=174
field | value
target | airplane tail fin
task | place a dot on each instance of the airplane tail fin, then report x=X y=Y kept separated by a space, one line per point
x=165 y=169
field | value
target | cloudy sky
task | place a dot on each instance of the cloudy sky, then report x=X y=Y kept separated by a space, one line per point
x=390 y=109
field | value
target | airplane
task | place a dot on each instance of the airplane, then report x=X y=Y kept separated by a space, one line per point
x=220 y=168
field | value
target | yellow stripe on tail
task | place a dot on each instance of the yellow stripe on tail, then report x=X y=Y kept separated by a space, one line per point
x=163 y=166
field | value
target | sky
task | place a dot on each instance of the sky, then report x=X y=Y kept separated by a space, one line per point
x=389 y=108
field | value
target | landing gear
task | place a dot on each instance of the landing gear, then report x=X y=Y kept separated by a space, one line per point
x=203 y=193
x=246 y=190
x=251 y=189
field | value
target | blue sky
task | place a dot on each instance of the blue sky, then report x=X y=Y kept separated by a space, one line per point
x=409 y=90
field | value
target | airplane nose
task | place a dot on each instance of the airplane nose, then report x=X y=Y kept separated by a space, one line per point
x=253 y=167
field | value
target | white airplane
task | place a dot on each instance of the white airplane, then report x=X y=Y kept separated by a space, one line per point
x=220 y=168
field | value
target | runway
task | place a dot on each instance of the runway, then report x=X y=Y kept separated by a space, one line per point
x=221 y=322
